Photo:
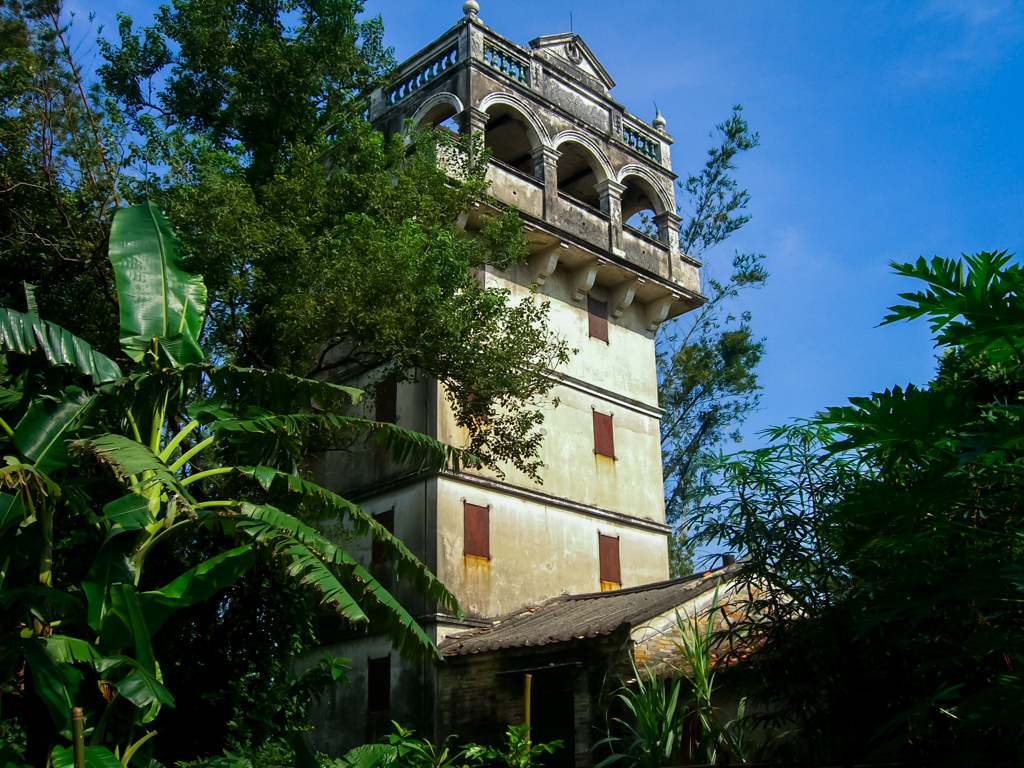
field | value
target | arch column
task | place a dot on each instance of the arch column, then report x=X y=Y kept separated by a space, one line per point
x=668 y=229
x=473 y=120
x=610 y=192
x=545 y=168
x=668 y=232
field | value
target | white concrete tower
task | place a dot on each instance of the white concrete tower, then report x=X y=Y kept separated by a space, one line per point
x=578 y=167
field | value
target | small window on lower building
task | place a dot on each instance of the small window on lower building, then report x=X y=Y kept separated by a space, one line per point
x=378 y=684
x=377 y=549
x=477 y=530
x=611 y=574
x=597 y=314
x=604 y=442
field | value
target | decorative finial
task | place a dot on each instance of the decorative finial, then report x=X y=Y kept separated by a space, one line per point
x=659 y=121
x=471 y=8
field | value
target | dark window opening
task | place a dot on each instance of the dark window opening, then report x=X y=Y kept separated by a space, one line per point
x=477 y=530
x=554 y=717
x=576 y=177
x=378 y=684
x=441 y=116
x=508 y=138
x=387 y=520
x=611 y=574
x=638 y=209
x=597 y=314
x=386 y=409
x=604 y=442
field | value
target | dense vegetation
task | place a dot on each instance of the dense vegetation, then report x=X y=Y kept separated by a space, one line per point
x=885 y=546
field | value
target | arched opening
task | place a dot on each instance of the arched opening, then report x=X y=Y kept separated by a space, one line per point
x=640 y=204
x=442 y=116
x=509 y=137
x=577 y=174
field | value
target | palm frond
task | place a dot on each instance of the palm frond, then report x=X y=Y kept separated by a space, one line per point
x=128 y=457
x=320 y=501
x=23 y=334
x=346 y=585
x=403 y=445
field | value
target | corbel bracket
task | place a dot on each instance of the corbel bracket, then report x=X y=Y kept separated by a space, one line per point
x=583 y=279
x=657 y=310
x=545 y=261
x=622 y=296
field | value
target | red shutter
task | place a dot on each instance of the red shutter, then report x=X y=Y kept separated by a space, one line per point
x=480 y=275
x=387 y=402
x=597 y=312
x=387 y=519
x=604 y=443
x=477 y=530
x=378 y=684
x=609 y=550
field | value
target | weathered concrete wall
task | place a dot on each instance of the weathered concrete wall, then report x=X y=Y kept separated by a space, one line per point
x=537 y=550
x=341 y=721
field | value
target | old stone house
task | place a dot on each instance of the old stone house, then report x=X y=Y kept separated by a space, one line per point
x=581 y=170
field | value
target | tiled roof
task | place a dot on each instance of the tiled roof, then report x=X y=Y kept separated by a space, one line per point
x=569 y=617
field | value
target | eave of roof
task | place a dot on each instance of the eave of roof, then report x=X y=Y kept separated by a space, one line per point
x=576 y=617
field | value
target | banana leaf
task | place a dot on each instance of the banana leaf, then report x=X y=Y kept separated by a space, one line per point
x=95 y=757
x=158 y=299
x=156 y=606
x=40 y=435
x=55 y=684
x=24 y=334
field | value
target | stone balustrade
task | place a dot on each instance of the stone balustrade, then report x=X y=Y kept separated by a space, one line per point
x=423 y=75
x=505 y=62
x=646 y=145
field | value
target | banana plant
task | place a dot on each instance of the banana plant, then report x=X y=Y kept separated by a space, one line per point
x=107 y=460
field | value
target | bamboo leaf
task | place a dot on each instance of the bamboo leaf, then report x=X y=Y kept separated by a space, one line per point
x=158 y=299
x=23 y=334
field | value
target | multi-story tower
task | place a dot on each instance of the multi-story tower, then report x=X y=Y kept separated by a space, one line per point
x=578 y=167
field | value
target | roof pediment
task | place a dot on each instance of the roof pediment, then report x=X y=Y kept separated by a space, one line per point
x=570 y=50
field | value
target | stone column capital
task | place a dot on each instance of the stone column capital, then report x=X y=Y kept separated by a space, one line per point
x=610 y=187
x=668 y=218
x=545 y=154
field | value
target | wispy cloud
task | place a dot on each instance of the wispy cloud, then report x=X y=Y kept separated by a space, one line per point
x=954 y=39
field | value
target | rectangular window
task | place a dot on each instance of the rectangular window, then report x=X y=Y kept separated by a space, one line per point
x=477 y=530
x=386 y=519
x=387 y=402
x=611 y=575
x=604 y=443
x=597 y=313
x=378 y=684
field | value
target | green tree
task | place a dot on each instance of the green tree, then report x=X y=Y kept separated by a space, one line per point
x=707 y=359
x=328 y=249
x=103 y=469
x=887 y=546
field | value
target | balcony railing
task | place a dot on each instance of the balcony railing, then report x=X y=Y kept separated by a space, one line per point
x=505 y=62
x=423 y=75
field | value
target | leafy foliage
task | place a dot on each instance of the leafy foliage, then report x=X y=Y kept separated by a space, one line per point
x=328 y=249
x=707 y=359
x=886 y=542
x=81 y=611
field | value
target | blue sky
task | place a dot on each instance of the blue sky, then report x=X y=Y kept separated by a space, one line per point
x=889 y=130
